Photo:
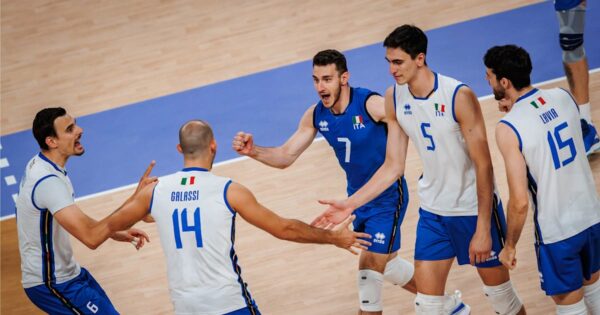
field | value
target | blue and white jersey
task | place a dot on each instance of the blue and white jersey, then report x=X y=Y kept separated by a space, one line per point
x=448 y=186
x=561 y=184
x=44 y=245
x=359 y=143
x=197 y=233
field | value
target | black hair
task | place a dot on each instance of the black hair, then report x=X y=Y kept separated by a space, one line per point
x=409 y=38
x=331 y=56
x=43 y=124
x=511 y=62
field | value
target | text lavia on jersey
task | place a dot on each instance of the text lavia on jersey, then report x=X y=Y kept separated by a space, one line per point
x=548 y=116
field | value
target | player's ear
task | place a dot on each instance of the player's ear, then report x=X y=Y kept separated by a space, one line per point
x=179 y=149
x=505 y=83
x=213 y=146
x=345 y=77
x=420 y=59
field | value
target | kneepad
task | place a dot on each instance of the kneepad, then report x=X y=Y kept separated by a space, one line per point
x=369 y=290
x=504 y=298
x=399 y=271
x=429 y=304
x=571 y=34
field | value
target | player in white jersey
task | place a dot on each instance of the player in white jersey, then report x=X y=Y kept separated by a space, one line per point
x=195 y=211
x=460 y=215
x=47 y=214
x=543 y=149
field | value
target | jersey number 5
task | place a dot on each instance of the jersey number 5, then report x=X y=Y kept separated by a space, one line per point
x=424 y=127
x=185 y=227
x=561 y=145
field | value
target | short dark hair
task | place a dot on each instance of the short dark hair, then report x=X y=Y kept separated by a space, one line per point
x=195 y=137
x=331 y=56
x=409 y=38
x=511 y=62
x=43 y=124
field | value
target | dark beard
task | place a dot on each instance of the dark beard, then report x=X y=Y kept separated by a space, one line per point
x=499 y=95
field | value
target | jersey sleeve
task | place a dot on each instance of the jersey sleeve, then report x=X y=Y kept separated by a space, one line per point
x=52 y=194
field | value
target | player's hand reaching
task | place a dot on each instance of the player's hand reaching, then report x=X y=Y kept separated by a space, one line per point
x=350 y=240
x=508 y=257
x=504 y=105
x=480 y=247
x=146 y=179
x=136 y=237
x=337 y=212
x=243 y=143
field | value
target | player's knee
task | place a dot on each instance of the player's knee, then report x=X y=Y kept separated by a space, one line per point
x=571 y=34
x=399 y=271
x=369 y=290
x=429 y=304
x=503 y=298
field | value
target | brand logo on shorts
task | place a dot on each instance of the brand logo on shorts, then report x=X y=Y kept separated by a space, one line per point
x=541 y=277
x=493 y=256
x=323 y=125
x=379 y=238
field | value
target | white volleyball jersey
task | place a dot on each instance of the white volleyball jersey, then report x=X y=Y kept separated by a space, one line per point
x=197 y=233
x=561 y=184
x=448 y=184
x=44 y=245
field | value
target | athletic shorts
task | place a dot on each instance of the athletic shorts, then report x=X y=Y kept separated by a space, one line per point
x=563 y=265
x=383 y=223
x=443 y=237
x=81 y=295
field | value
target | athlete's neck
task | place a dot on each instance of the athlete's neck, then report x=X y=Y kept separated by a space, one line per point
x=205 y=163
x=343 y=101
x=513 y=95
x=423 y=83
x=56 y=157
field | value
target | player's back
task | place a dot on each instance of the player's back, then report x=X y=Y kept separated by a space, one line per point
x=197 y=233
x=560 y=179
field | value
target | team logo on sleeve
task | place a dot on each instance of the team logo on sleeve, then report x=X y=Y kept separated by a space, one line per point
x=357 y=122
x=440 y=109
x=323 y=125
x=407 y=110
x=379 y=238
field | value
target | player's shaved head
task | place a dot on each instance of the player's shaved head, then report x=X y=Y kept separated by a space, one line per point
x=195 y=137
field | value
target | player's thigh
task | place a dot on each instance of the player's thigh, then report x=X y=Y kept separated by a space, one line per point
x=374 y=261
x=493 y=276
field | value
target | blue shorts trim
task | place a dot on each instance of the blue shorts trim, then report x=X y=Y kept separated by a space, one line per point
x=249 y=310
x=81 y=295
x=444 y=237
x=563 y=265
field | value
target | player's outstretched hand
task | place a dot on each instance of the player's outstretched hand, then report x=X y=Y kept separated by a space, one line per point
x=350 y=240
x=243 y=143
x=335 y=214
x=146 y=179
x=136 y=237
x=508 y=257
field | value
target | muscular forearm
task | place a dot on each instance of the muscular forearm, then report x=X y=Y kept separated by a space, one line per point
x=298 y=231
x=485 y=193
x=385 y=176
x=517 y=213
x=274 y=157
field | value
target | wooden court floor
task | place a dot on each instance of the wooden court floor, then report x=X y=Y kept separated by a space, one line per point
x=116 y=54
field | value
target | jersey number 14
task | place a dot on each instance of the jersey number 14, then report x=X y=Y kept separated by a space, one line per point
x=185 y=227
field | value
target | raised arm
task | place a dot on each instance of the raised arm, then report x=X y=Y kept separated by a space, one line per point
x=518 y=201
x=382 y=110
x=244 y=202
x=284 y=155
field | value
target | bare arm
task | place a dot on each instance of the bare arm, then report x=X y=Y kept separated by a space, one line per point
x=472 y=126
x=395 y=151
x=135 y=209
x=284 y=155
x=389 y=172
x=518 y=201
x=244 y=202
